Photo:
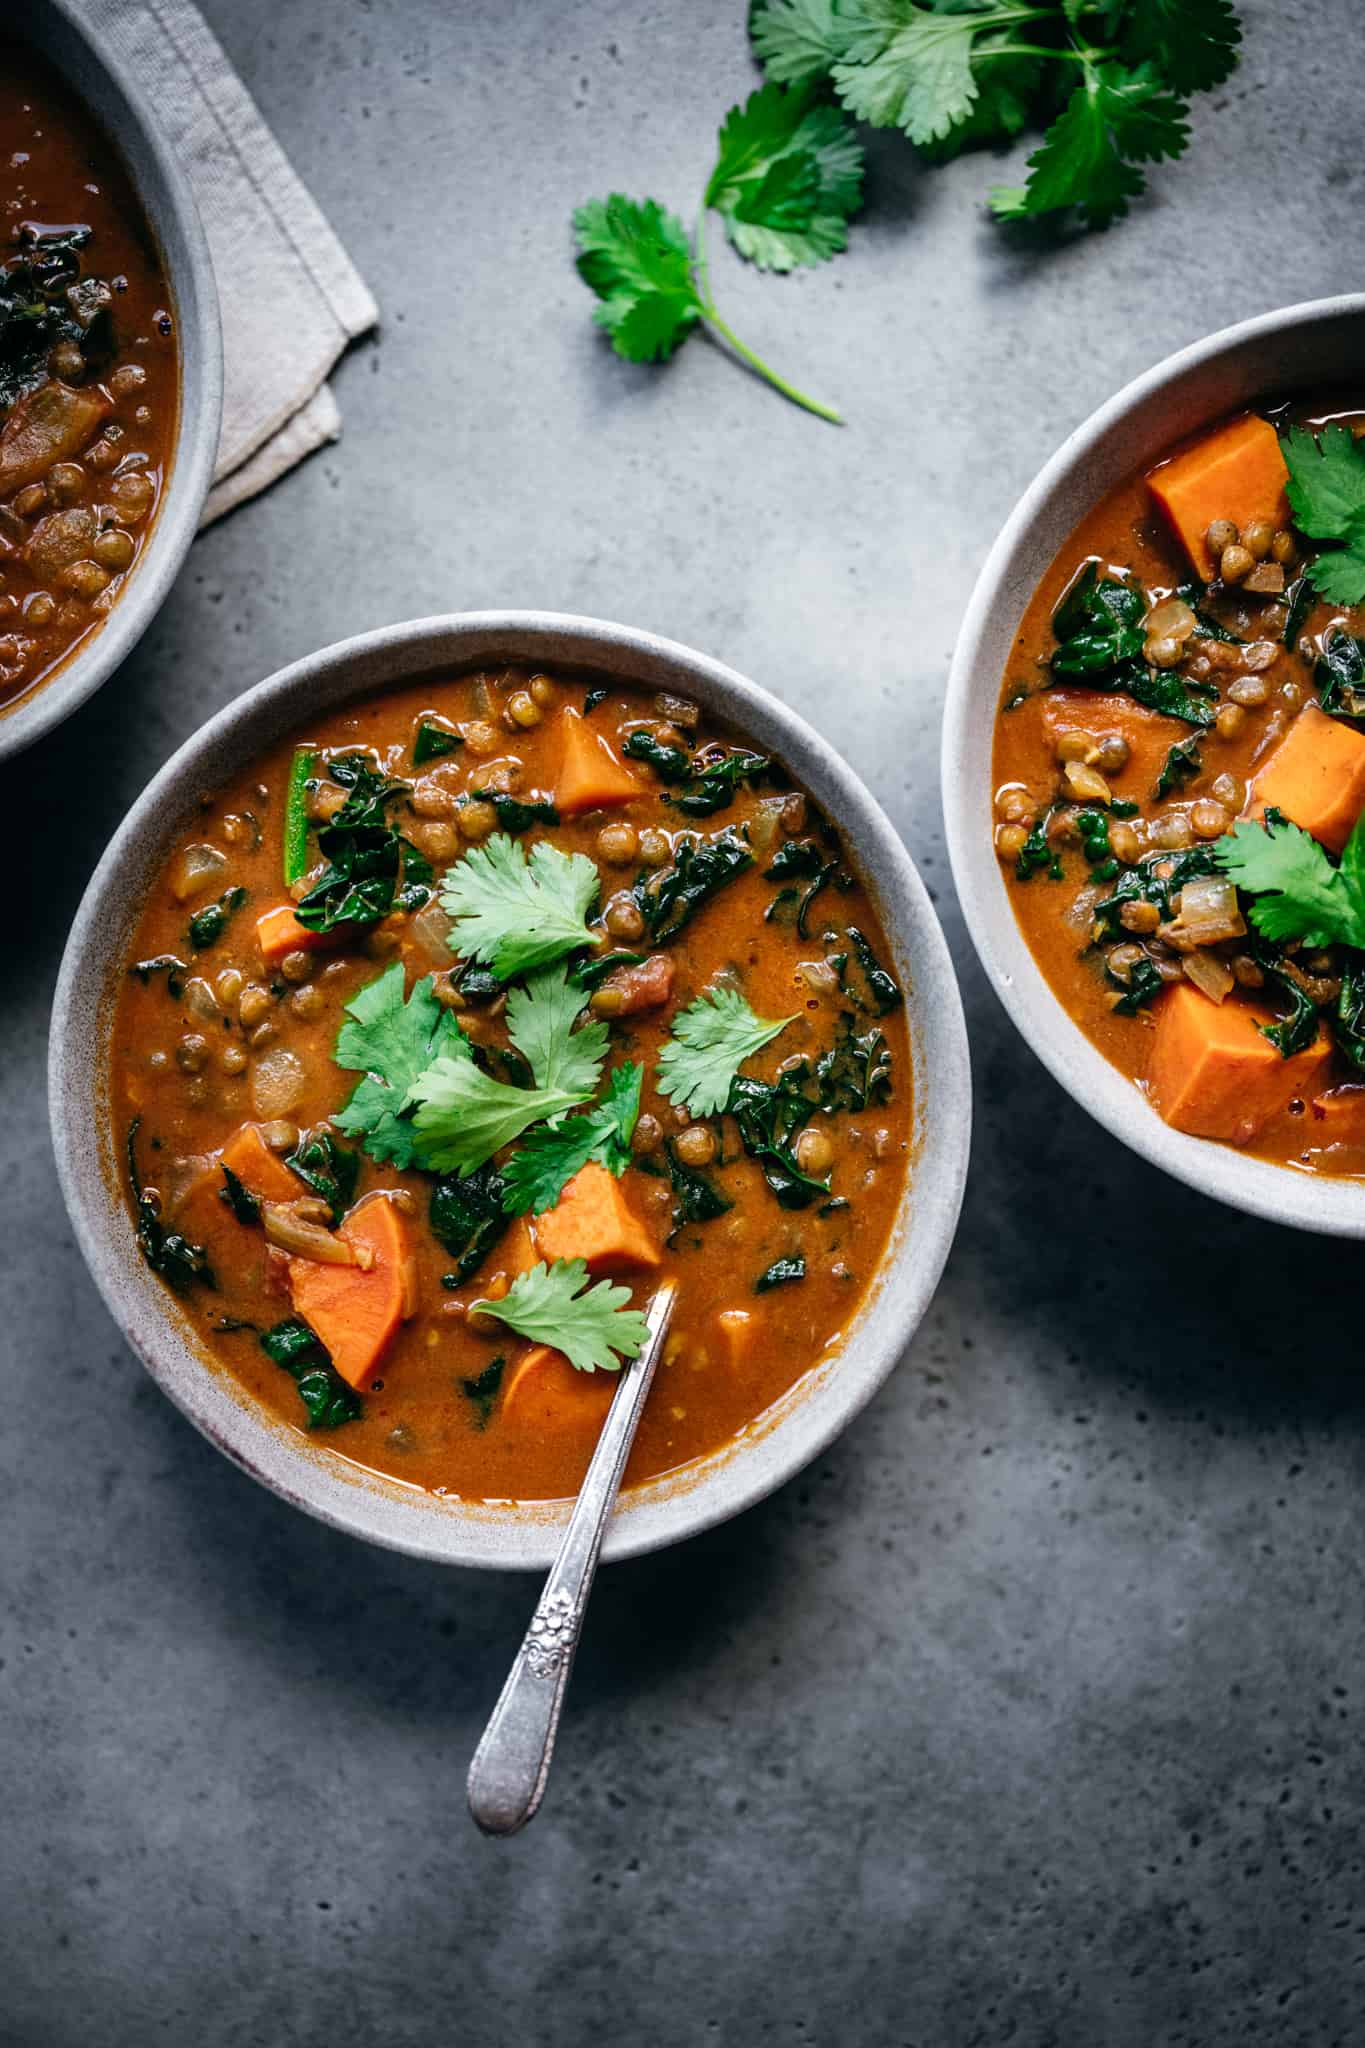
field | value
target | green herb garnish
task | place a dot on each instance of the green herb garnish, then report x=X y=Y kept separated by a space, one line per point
x=372 y=869
x=1326 y=492
x=515 y=911
x=1300 y=893
x=208 y=925
x=392 y=1042
x=546 y=1161
x=433 y=741
x=781 y=1273
x=711 y=1039
x=168 y=1252
x=468 y=1217
x=553 y=1305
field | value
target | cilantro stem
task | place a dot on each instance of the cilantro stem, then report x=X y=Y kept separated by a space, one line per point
x=702 y=278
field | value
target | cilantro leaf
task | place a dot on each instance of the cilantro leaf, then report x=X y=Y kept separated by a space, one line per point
x=789 y=172
x=910 y=67
x=539 y=1170
x=798 y=41
x=463 y=1116
x=552 y=1305
x=711 y=1040
x=1113 y=120
x=540 y=1020
x=391 y=1041
x=635 y=256
x=1196 y=47
x=518 y=912
x=1302 y=895
x=1326 y=493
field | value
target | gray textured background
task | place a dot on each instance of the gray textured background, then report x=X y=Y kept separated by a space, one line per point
x=1031 y=1713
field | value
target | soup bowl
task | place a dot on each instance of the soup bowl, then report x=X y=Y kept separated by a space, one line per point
x=54 y=29
x=440 y=1527
x=1321 y=344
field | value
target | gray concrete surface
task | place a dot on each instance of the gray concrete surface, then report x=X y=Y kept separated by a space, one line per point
x=1031 y=1714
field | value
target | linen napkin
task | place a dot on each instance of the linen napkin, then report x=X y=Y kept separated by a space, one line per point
x=291 y=297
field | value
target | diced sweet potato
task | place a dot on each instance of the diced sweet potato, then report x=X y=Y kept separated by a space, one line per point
x=356 y=1312
x=46 y=426
x=1215 y=1075
x=1316 y=776
x=591 y=775
x=1235 y=473
x=542 y=1393
x=592 y=1220
x=278 y=932
x=736 y=1327
x=1148 y=736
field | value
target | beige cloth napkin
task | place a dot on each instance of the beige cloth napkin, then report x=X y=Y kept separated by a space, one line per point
x=291 y=297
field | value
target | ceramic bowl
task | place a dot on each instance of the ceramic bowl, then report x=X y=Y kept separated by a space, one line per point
x=54 y=28
x=468 y=1533
x=1320 y=345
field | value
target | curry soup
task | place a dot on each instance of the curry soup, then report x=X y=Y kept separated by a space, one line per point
x=561 y=973
x=89 y=375
x=1179 y=765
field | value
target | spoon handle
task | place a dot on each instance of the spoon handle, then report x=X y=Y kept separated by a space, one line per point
x=512 y=1763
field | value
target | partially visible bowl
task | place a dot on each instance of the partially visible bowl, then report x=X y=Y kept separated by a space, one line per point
x=1318 y=344
x=449 y=1530
x=55 y=30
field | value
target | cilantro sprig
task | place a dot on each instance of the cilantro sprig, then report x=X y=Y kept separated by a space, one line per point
x=787 y=176
x=552 y=1305
x=1109 y=83
x=1301 y=894
x=540 y=1169
x=1326 y=492
x=517 y=911
x=711 y=1040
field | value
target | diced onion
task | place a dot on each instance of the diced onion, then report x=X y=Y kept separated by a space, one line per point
x=1210 y=975
x=1087 y=783
x=278 y=1082
x=763 y=825
x=288 y=1230
x=194 y=869
x=430 y=933
x=1208 y=911
x=200 y=999
x=1170 y=620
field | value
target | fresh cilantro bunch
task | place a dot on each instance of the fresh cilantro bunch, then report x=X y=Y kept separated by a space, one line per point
x=591 y=1325
x=1109 y=83
x=1327 y=497
x=787 y=176
x=1301 y=894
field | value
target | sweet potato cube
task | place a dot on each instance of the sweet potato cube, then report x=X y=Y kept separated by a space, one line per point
x=278 y=932
x=1148 y=736
x=737 y=1331
x=1316 y=776
x=544 y=1394
x=356 y=1310
x=1235 y=473
x=1214 y=1074
x=591 y=775
x=262 y=1173
x=592 y=1220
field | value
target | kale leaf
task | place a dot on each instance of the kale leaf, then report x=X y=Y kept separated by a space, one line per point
x=328 y=1399
x=467 y=1216
x=670 y=898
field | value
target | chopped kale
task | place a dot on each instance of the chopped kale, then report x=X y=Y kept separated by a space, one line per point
x=482 y=1390
x=594 y=698
x=1348 y=1018
x=781 y=1273
x=1297 y=1029
x=714 y=788
x=803 y=860
x=1301 y=600
x=1206 y=625
x=168 y=964
x=328 y=1168
x=168 y=1252
x=1183 y=763
x=1100 y=636
x=208 y=925
x=326 y=1396
x=239 y=1199
x=1140 y=985
x=371 y=868
x=855 y=1073
x=1147 y=883
x=1340 y=676
x=883 y=988
x=514 y=815
x=771 y=1116
x=592 y=973
x=432 y=741
x=1038 y=854
x=670 y=898
x=467 y=1216
x=476 y=983
x=36 y=310
x=670 y=764
x=697 y=1199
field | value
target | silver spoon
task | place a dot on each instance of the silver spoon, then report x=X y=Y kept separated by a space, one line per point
x=512 y=1763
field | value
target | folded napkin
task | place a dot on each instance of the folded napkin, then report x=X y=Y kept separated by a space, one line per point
x=291 y=297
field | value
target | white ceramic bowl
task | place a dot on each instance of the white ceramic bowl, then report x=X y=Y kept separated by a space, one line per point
x=1302 y=348
x=451 y=1531
x=57 y=32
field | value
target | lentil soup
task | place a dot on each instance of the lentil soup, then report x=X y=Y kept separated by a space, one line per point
x=89 y=376
x=561 y=973
x=1179 y=765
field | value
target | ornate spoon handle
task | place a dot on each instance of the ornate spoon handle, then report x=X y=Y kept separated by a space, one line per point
x=512 y=1763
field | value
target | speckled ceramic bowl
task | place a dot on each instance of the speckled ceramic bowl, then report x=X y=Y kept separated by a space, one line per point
x=55 y=29
x=809 y=1416
x=1302 y=348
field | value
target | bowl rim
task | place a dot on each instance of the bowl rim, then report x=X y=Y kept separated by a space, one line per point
x=1258 y=1187
x=55 y=29
x=462 y=1533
